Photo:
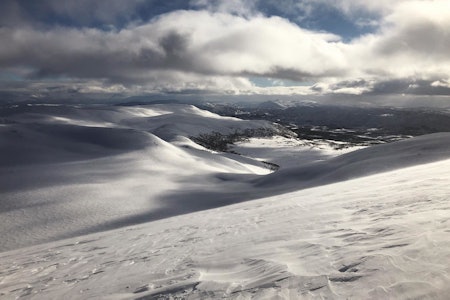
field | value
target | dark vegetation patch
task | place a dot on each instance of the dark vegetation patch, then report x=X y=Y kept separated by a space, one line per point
x=221 y=142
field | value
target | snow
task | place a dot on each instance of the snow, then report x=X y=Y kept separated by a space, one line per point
x=371 y=160
x=288 y=152
x=60 y=176
x=137 y=210
x=376 y=237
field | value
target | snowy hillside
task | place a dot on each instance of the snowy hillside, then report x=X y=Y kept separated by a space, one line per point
x=67 y=170
x=131 y=208
x=379 y=237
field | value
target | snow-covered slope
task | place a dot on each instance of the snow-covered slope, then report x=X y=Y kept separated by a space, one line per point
x=379 y=237
x=367 y=224
x=66 y=171
x=287 y=152
x=371 y=160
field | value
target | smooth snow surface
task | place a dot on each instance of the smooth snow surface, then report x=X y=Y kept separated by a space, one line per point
x=384 y=236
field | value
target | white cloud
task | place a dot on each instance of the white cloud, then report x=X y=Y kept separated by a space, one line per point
x=441 y=83
x=353 y=7
x=237 y=7
x=413 y=42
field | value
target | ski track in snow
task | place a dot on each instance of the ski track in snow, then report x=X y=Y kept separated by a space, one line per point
x=349 y=233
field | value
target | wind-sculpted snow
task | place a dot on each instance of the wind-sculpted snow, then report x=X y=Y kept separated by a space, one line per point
x=379 y=237
x=367 y=224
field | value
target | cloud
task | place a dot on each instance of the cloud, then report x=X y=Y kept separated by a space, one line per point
x=208 y=44
x=407 y=55
x=412 y=42
x=219 y=46
x=234 y=7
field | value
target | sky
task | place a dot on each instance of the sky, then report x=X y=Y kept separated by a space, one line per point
x=70 y=49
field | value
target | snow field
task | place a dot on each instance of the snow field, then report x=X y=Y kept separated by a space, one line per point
x=381 y=236
x=367 y=224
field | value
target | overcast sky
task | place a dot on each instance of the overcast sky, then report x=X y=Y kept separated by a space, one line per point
x=111 y=48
